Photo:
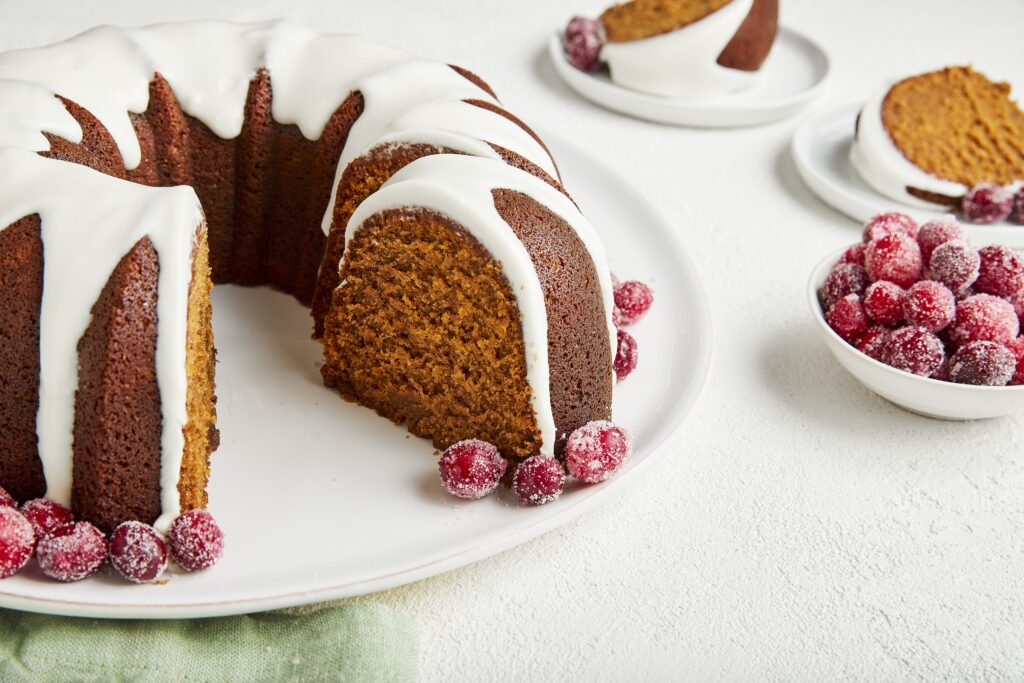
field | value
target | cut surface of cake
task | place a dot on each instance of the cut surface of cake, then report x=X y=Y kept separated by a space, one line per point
x=139 y=166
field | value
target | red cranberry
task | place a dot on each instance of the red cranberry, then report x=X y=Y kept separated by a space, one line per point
x=914 y=350
x=936 y=232
x=843 y=279
x=894 y=257
x=616 y=316
x=471 y=469
x=955 y=264
x=539 y=480
x=1001 y=272
x=874 y=341
x=46 y=516
x=6 y=499
x=930 y=305
x=16 y=541
x=582 y=43
x=137 y=552
x=633 y=299
x=596 y=450
x=1016 y=347
x=982 y=363
x=72 y=552
x=883 y=302
x=1017 y=214
x=854 y=254
x=889 y=223
x=847 y=317
x=195 y=541
x=984 y=317
x=987 y=203
x=625 y=355
x=1017 y=301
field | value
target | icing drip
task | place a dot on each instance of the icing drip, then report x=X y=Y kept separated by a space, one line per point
x=27 y=111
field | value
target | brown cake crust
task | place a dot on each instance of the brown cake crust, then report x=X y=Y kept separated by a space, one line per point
x=754 y=39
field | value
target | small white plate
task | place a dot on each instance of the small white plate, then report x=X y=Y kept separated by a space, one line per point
x=821 y=151
x=321 y=499
x=793 y=75
x=922 y=395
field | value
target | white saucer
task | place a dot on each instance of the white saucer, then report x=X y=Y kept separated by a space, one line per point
x=821 y=151
x=322 y=499
x=792 y=76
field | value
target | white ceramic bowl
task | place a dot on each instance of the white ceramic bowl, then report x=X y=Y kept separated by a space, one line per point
x=922 y=395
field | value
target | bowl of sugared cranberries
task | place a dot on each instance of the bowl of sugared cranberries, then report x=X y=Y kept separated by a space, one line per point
x=925 y=319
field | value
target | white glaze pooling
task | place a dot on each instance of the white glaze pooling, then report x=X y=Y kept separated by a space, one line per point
x=683 y=62
x=882 y=165
x=87 y=227
x=460 y=187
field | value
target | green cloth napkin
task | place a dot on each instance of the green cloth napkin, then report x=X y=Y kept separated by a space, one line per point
x=349 y=642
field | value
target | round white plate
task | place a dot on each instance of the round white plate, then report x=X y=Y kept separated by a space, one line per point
x=792 y=76
x=322 y=499
x=821 y=151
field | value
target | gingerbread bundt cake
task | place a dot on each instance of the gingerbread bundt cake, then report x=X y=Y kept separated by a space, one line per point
x=453 y=283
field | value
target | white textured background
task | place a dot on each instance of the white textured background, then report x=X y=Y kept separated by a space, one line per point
x=799 y=527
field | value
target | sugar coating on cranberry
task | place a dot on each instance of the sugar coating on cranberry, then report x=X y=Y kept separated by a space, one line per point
x=1017 y=212
x=596 y=450
x=6 y=499
x=46 y=516
x=1016 y=347
x=195 y=540
x=855 y=255
x=1001 y=271
x=582 y=43
x=894 y=257
x=889 y=223
x=883 y=302
x=847 y=317
x=137 y=552
x=471 y=468
x=987 y=203
x=984 y=317
x=982 y=363
x=938 y=231
x=874 y=341
x=16 y=541
x=930 y=305
x=72 y=552
x=843 y=279
x=539 y=480
x=625 y=355
x=955 y=263
x=915 y=350
x=1017 y=301
x=633 y=299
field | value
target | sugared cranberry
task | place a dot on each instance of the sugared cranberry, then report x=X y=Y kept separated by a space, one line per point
x=539 y=480
x=874 y=341
x=982 y=363
x=594 y=451
x=1016 y=347
x=72 y=552
x=889 y=223
x=894 y=257
x=914 y=350
x=633 y=299
x=1001 y=272
x=984 y=317
x=938 y=231
x=582 y=43
x=843 y=279
x=987 y=203
x=930 y=305
x=16 y=541
x=847 y=317
x=137 y=552
x=195 y=541
x=1017 y=213
x=616 y=316
x=855 y=255
x=471 y=469
x=46 y=516
x=955 y=263
x=6 y=499
x=883 y=302
x=1017 y=301
x=625 y=355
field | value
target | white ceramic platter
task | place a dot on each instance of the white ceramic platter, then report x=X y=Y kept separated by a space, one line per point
x=792 y=76
x=321 y=499
x=821 y=151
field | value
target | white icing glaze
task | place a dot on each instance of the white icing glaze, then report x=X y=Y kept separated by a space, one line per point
x=27 y=111
x=86 y=229
x=882 y=165
x=683 y=62
x=459 y=187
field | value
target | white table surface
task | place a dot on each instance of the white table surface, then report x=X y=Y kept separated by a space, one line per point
x=799 y=527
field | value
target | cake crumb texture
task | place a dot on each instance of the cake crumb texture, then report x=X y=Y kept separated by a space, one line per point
x=646 y=18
